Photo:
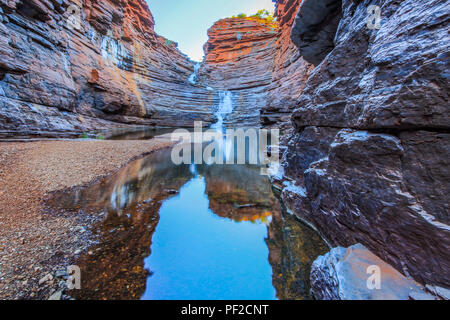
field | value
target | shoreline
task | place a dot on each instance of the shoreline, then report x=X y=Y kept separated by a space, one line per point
x=34 y=243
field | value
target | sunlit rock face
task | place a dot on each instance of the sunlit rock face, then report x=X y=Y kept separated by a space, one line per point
x=368 y=159
x=289 y=72
x=239 y=57
x=79 y=65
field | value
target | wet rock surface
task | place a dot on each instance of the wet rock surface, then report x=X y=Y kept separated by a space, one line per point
x=392 y=78
x=348 y=274
x=368 y=159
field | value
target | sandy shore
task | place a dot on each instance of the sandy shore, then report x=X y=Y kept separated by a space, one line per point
x=32 y=243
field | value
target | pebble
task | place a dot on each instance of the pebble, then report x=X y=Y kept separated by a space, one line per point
x=56 y=296
x=45 y=279
x=61 y=274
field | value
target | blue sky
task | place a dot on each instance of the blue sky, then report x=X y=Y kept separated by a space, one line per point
x=187 y=21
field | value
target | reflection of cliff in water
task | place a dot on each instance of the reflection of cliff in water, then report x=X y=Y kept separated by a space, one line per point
x=139 y=181
x=239 y=192
x=131 y=201
x=293 y=247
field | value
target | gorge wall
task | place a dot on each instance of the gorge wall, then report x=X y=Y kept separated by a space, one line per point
x=259 y=63
x=289 y=70
x=368 y=159
x=239 y=58
x=80 y=65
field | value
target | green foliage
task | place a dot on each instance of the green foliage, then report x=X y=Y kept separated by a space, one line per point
x=240 y=15
x=100 y=137
x=84 y=136
x=262 y=15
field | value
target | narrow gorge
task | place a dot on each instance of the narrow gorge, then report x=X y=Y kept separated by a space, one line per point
x=364 y=175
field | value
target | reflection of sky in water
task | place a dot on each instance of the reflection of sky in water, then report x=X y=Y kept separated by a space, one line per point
x=218 y=238
x=198 y=255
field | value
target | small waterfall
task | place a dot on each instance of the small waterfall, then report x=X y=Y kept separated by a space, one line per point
x=193 y=77
x=225 y=107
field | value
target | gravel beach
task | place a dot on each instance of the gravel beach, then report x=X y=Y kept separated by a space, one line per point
x=32 y=242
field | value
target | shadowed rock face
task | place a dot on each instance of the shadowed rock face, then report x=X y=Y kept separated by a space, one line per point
x=239 y=58
x=290 y=70
x=314 y=28
x=368 y=159
x=107 y=66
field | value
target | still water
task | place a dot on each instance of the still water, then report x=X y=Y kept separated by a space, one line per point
x=191 y=232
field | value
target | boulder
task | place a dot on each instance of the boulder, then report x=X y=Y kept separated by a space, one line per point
x=349 y=274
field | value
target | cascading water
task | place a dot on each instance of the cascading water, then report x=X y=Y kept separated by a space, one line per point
x=193 y=77
x=225 y=107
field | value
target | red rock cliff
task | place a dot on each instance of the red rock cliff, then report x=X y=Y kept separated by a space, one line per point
x=80 y=65
x=239 y=58
x=259 y=63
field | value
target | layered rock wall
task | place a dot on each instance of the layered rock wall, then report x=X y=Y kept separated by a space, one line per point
x=368 y=160
x=289 y=71
x=80 y=65
x=239 y=58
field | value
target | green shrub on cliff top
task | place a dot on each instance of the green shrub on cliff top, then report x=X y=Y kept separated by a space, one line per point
x=263 y=16
x=240 y=15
